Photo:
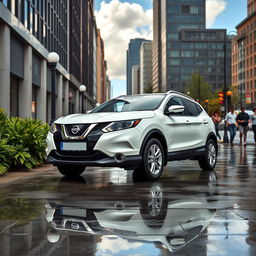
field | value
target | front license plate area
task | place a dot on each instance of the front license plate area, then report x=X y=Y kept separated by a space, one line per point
x=73 y=146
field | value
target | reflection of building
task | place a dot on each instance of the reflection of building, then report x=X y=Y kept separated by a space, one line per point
x=29 y=30
x=182 y=45
x=135 y=79
x=244 y=58
x=146 y=67
x=132 y=58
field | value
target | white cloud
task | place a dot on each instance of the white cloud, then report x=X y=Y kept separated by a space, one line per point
x=119 y=22
x=213 y=9
x=116 y=244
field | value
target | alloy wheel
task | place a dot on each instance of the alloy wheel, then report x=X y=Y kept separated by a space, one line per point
x=155 y=159
x=212 y=154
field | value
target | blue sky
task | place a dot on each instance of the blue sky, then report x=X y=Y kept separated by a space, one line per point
x=234 y=13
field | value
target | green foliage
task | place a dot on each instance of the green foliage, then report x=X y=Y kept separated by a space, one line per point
x=6 y=152
x=22 y=142
x=3 y=118
x=28 y=137
x=199 y=88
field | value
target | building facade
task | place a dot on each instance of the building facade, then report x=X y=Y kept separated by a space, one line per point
x=29 y=31
x=132 y=59
x=186 y=46
x=136 y=79
x=101 y=75
x=146 y=67
x=244 y=58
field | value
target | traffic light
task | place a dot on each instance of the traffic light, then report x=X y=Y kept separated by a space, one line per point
x=221 y=98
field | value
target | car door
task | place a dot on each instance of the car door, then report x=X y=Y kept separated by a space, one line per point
x=198 y=123
x=175 y=127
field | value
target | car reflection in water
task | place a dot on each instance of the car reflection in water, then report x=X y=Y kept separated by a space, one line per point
x=154 y=217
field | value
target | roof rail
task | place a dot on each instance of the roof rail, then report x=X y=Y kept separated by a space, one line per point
x=182 y=94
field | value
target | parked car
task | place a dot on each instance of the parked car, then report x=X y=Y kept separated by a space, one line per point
x=141 y=132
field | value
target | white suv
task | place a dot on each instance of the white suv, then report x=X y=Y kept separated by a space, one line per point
x=141 y=132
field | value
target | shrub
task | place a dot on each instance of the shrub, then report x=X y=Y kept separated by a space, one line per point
x=6 y=153
x=28 y=137
x=3 y=118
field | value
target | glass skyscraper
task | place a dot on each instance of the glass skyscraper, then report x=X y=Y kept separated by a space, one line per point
x=132 y=59
x=184 y=46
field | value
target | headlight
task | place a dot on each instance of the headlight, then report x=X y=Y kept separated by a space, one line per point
x=53 y=128
x=121 y=125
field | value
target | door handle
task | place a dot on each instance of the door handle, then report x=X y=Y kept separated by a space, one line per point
x=205 y=122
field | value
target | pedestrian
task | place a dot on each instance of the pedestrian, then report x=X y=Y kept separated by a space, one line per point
x=253 y=120
x=231 y=124
x=243 y=120
x=216 y=120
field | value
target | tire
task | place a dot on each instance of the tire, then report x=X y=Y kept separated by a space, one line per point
x=152 y=164
x=71 y=171
x=209 y=160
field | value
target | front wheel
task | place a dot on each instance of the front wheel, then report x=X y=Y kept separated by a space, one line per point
x=209 y=160
x=71 y=171
x=152 y=161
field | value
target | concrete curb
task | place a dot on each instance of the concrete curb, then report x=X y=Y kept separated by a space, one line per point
x=15 y=176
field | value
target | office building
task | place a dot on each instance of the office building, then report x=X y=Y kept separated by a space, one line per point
x=182 y=45
x=146 y=67
x=244 y=58
x=29 y=31
x=132 y=59
x=135 y=79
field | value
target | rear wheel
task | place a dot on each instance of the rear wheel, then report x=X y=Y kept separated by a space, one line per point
x=209 y=160
x=152 y=161
x=71 y=171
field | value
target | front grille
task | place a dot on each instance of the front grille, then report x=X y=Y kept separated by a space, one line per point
x=76 y=130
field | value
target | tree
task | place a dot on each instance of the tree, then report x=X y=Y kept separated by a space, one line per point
x=198 y=88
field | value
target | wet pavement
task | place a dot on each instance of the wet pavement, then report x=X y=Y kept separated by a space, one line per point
x=111 y=212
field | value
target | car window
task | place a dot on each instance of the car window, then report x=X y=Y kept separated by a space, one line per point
x=191 y=108
x=174 y=101
x=131 y=103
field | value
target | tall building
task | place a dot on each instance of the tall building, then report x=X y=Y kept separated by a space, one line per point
x=182 y=45
x=29 y=30
x=135 y=79
x=101 y=70
x=244 y=58
x=132 y=58
x=146 y=67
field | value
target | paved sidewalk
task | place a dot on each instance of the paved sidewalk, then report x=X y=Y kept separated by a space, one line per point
x=17 y=175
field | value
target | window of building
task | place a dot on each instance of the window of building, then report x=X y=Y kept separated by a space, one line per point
x=14 y=97
x=185 y=9
x=34 y=102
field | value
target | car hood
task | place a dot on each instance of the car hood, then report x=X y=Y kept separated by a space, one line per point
x=104 y=117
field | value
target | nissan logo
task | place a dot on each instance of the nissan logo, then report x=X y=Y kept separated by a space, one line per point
x=75 y=129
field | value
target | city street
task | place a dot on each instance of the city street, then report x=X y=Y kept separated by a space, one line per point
x=111 y=212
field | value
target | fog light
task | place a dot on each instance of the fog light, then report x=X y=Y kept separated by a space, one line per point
x=119 y=157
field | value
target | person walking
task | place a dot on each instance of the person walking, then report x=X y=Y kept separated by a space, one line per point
x=253 y=120
x=230 y=121
x=243 y=120
x=216 y=120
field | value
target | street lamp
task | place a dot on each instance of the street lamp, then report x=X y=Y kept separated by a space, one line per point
x=82 y=89
x=53 y=59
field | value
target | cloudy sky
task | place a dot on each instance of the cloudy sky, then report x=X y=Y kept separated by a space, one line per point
x=122 y=20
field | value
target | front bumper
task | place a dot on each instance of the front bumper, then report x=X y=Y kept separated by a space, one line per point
x=97 y=158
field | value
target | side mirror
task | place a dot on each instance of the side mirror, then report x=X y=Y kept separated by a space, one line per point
x=175 y=109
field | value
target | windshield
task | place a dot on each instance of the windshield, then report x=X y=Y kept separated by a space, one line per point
x=126 y=104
